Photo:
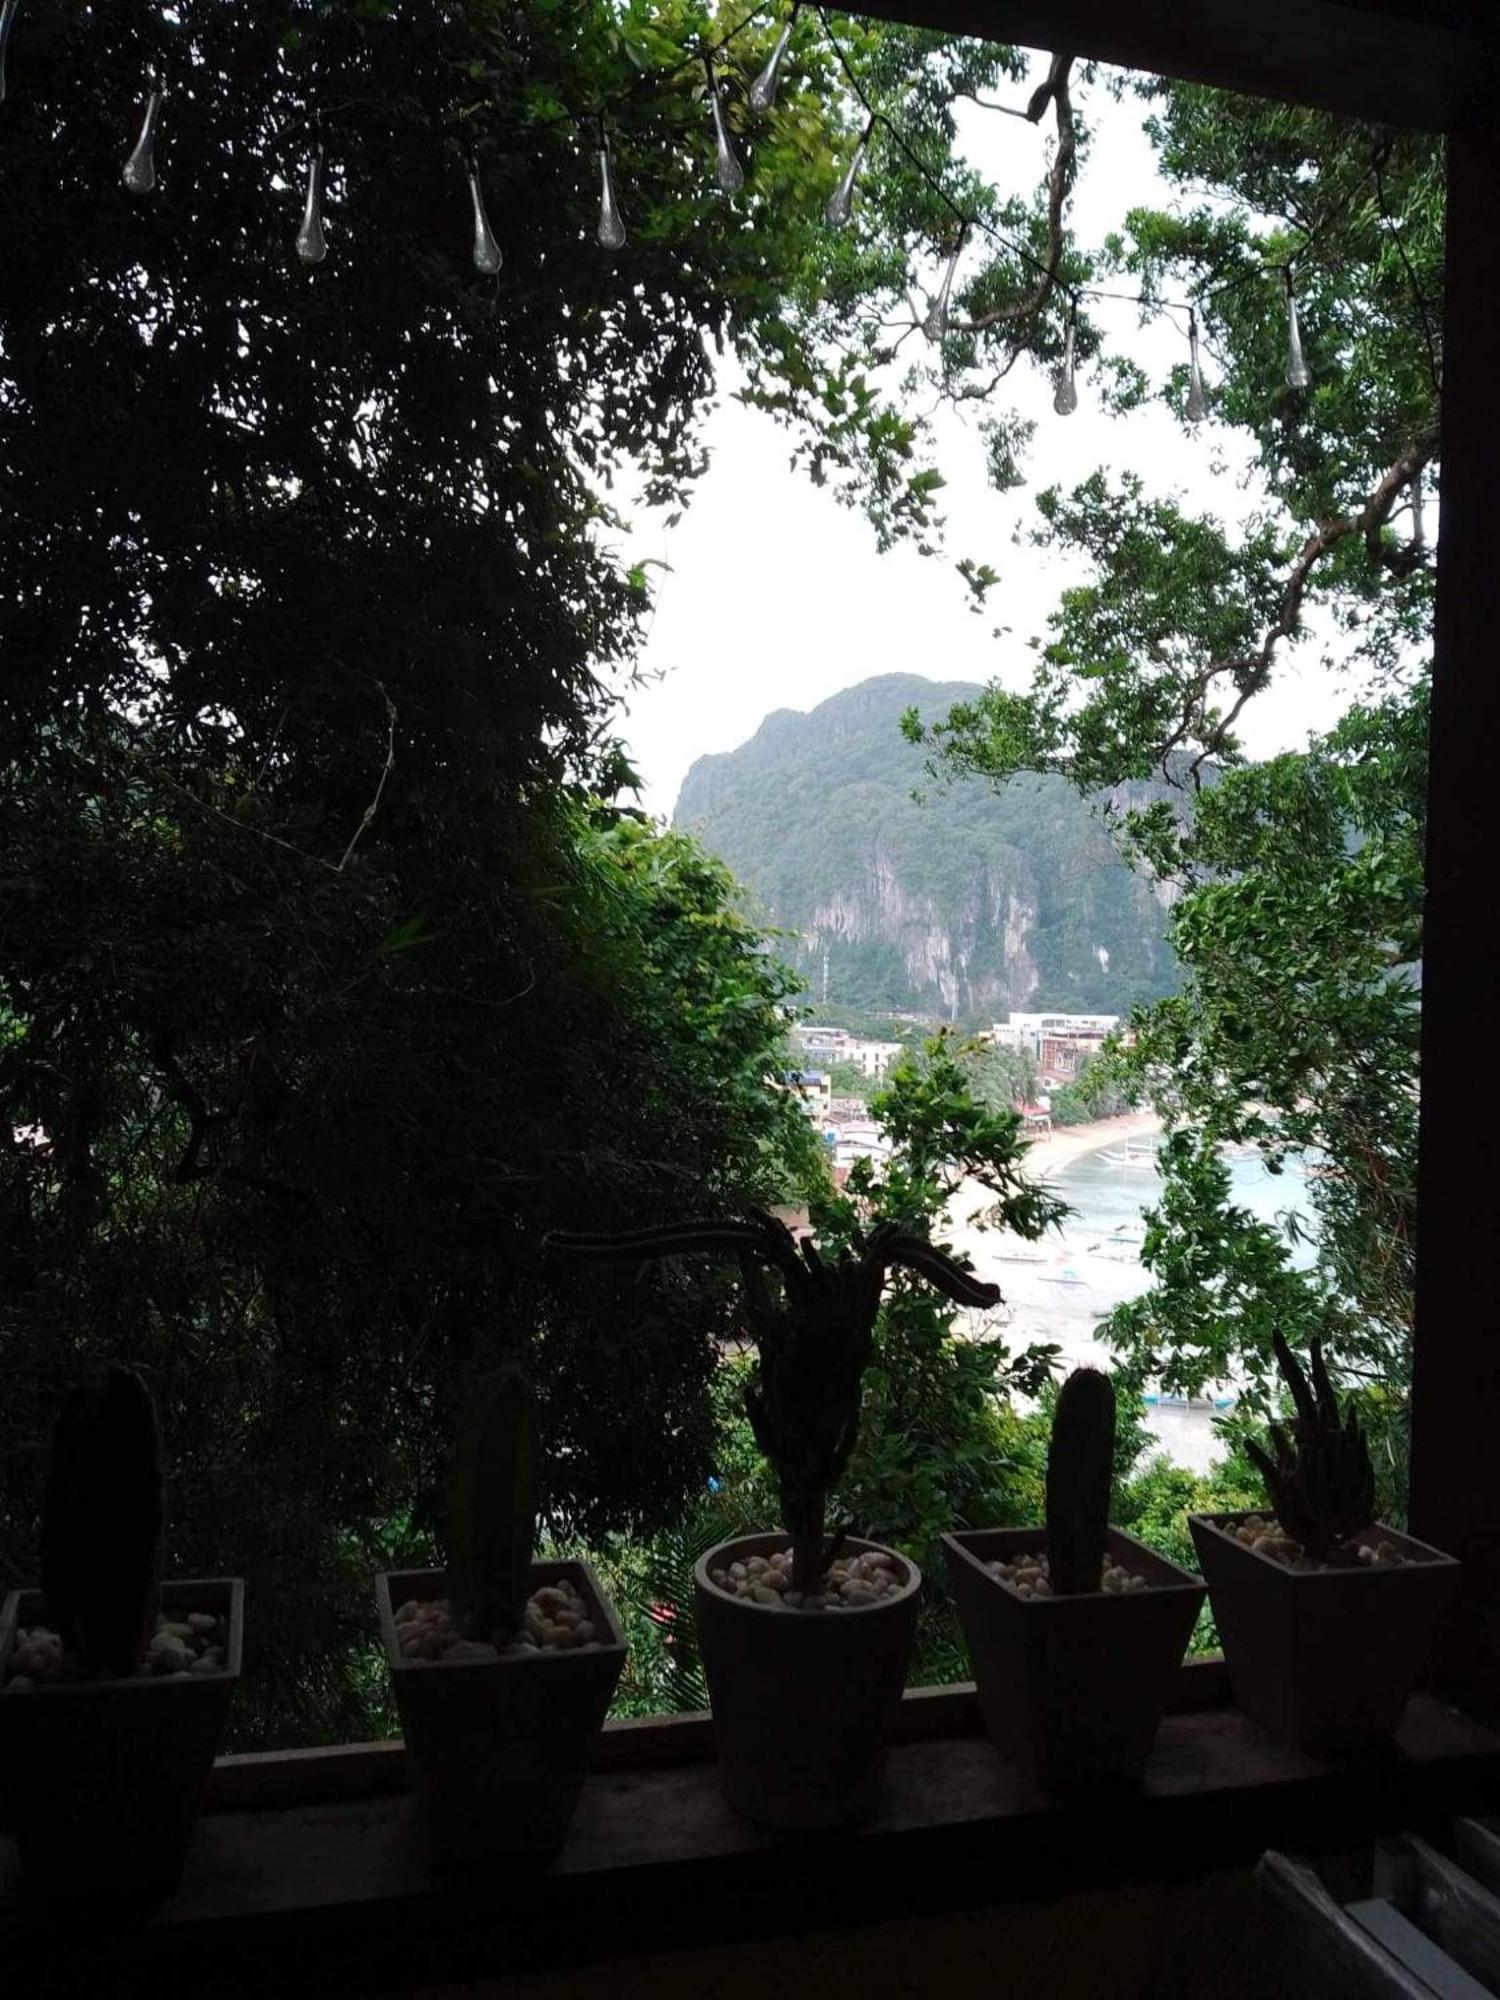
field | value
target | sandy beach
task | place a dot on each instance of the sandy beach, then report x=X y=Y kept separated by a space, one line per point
x=1068 y=1143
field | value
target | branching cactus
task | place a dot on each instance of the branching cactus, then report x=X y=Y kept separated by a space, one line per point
x=1319 y=1479
x=102 y=1522
x=492 y=1509
x=1080 y=1467
x=814 y=1336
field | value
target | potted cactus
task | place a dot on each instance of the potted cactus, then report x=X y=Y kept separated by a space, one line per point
x=804 y=1639
x=114 y=1688
x=502 y=1667
x=1075 y=1637
x=1325 y=1615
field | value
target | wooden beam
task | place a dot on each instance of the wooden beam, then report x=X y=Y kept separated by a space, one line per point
x=1455 y=1476
x=1398 y=62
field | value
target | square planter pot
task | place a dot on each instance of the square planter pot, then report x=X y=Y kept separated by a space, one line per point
x=101 y=1781
x=499 y=1749
x=1323 y=1659
x=803 y=1704
x=1072 y=1688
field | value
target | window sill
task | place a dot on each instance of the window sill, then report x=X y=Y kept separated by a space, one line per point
x=312 y=1858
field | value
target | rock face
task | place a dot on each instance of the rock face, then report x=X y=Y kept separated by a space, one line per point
x=965 y=905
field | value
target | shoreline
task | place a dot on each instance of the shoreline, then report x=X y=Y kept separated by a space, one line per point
x=1061 y=1148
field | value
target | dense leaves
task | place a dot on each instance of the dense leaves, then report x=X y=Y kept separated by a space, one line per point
x=1296 y=883
x=325 y=984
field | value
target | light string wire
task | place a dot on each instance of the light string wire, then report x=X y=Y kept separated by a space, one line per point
x=597 y=115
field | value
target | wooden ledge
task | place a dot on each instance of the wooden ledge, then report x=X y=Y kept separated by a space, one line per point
x=335 y=1893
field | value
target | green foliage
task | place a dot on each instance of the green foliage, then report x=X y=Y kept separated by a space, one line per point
x=327 y=978
x=492 y=1505
x=1080 y=1469
x=1318 y=1474
x=1098 y=1090
x=819 y=813
x=102 y=1522
x=1295 y=885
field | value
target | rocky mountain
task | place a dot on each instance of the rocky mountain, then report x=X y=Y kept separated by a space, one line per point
x=965 y=905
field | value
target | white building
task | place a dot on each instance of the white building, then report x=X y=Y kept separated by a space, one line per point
x=837 y=1045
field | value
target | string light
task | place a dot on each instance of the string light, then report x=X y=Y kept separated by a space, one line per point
x=140 y=176
x=1298 y=375
x=1065 y=395
x=312 y=244
x=487 y=257
x=841 y=201
x=611 y=230
x=140 y=169
x=936 y=323
x=727 y=169
x=7 y=22
x=763 y=90
x=1197 y=396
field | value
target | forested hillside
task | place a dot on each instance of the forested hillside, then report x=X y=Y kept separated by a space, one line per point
x=963 y=902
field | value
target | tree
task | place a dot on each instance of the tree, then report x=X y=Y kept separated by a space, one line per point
x=1297 y=884
x=327 y=985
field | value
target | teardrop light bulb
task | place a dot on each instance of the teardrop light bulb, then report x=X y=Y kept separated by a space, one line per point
x=1298 y=375
x=611 y=227
x=140 y=169
x=487 y=256
x=8 y=21
x=763 y=90
x=727 y=169
x=1197 y=395
x=1065 y=395
x=841 y=202
x=936 y=323
x=312 y=244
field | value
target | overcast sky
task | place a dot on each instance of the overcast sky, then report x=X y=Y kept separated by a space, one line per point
x=776 y=596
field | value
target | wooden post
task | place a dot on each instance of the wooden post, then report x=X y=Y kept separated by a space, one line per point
x=1455 y=1476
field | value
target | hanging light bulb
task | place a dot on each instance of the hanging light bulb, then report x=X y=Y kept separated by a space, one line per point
x=1298 y=375
x=936 y=323
x=487 y=256
x=611 y=227
x=312 y=244
x=1197 y=395
x=841 y=201
x=763 y=90
x=140 y=169
x=1065 y=394
x=727 y=169
x=8 y=21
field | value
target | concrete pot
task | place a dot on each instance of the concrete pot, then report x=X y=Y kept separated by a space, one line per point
x=803 y=1705
x=101 y=1781
x=499 y=1749
x=1323 y=1659
x=1072 y=1689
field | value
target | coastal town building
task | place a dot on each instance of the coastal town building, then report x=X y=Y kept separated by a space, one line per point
x=1057 y=1043
x=838 y=1045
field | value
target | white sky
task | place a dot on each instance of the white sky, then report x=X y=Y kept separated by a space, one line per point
x=776 y=596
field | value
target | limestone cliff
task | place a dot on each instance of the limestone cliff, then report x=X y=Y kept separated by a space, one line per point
x=966 y=904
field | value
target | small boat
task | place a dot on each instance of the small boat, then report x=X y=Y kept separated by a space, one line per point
x=1068 y=1275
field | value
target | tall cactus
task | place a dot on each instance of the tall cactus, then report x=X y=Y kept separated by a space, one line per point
x=1320 y=1481
x=492 y=1508
x=102 y=1522
x=814 y=1338
x=1080 y=1467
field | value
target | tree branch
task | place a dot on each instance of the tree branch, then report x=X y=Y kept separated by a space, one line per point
x=1055 y=90
x=1251 y=671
